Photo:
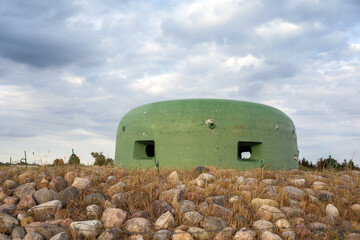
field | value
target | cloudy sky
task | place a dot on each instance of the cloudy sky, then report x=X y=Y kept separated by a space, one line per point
x=69 y=70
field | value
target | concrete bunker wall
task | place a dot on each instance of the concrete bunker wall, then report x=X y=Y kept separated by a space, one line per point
x=206 y=132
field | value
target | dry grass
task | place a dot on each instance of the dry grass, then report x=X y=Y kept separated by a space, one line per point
x=145 y=186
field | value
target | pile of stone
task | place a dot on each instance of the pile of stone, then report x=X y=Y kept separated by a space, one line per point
x=290 y=205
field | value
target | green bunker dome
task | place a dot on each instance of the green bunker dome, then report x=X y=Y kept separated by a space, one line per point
x=206 y=132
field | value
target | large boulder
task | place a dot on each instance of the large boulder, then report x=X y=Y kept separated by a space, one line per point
x=46 y=210
x=24 y=189
x=58 y=184
x=7 y=223
x=68 y=194
x=44 y=195
x=47 y=230
x=85 y=229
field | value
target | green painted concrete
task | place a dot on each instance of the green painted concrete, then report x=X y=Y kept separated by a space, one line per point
x=206 y=132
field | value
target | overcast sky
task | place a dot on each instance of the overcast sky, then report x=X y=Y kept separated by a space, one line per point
x=69 y=70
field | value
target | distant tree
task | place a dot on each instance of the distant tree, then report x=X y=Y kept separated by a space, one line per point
x=100 y=159
x=109 y=161
x=58 y=162
x=305 y=163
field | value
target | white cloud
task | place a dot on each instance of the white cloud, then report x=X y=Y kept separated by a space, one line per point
x=239 y=63
x=278 y=28
x=157 y=84
x=73 y=80
x=355 y=46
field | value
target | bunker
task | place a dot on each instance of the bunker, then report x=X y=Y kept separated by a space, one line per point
x=206 y=132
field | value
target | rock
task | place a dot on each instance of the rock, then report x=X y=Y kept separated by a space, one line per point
x=26 y=220
x=33 y=236
x=266 y=235
x=26 y=177
x=206 y=177
x=22 y=190
x=11 y=200
x=136 y=225
x=203 y=207
x=199 y=233
x=136 y=237
x=60 y=236
x=181 y=235
x=271 y=188
x=44 y=195
x=193 y=217
x=214 y=224
x=353 y=236
x=269 y=202
x=42 y=184
x=271 y=194
x=319 y=185
x=244 y=234
x=293 y=192
x=94 y=211
x=201 y=169
x=221 y=211
x=66 y=223
x=292 y=211
x=140 y=213
x=111 y=234
x=309 y=191
x=18 y=232
x=289 y=235
x=7 y=223
x=317 y=226
x=69 y=177
x=269 y=181
x=324 y=197
x=298 y=182
x=68 y=194
x=234 y=199
x=46 y=210
x=82 y=183
x=355 y=208
x=2 y=196
x=47 y=230
x=5 y=237
x=331 y=210
x=240 y=180
x=173 y=177
x=160 y=207
x=119 y=187
x=263 y=225
x=331 y=220
x=10 y=184
x=26 y=202
x=120 y=198
x=268 y=212
x=165 y=221
x=186 y=206
x=57 y=184
x=163 y=234
x=95 y=198
x=224 y=234
x=8 y=208
x=283 y=224
x=85 y=229
x=114 y=217
x=171 y=196
x=220 y=200
x=302 y=231
x=294 y=203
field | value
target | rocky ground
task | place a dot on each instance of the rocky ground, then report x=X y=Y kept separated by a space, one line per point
x=112 y=203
